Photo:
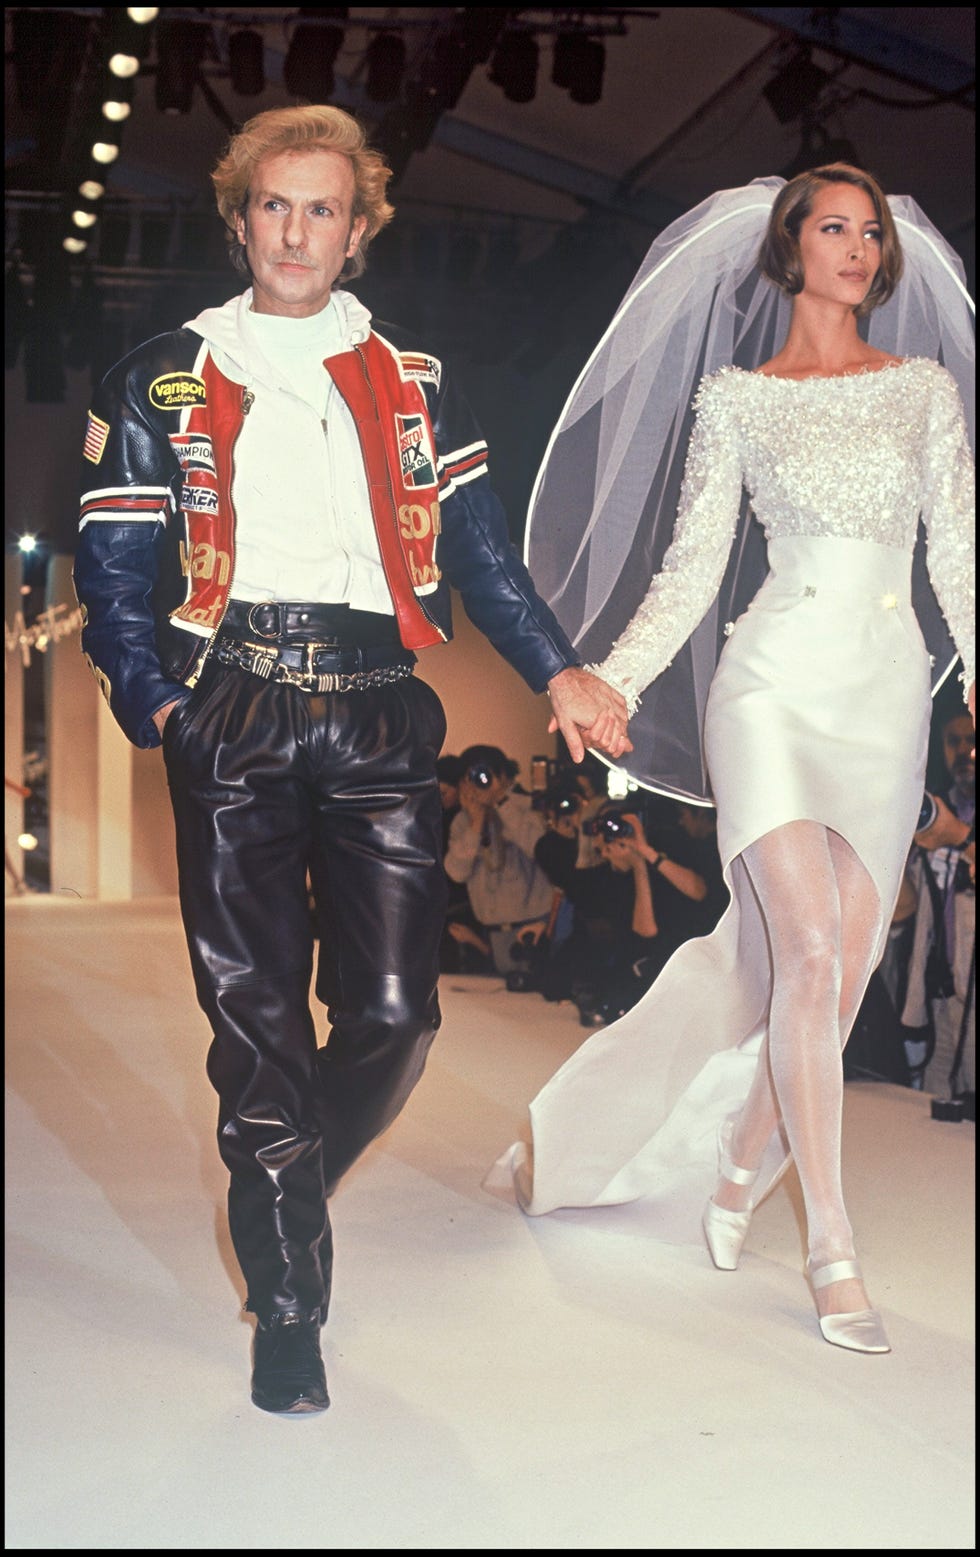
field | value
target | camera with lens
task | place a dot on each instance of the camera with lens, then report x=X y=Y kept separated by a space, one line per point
x=928 y=812
x=532 y=953
x=611 y=826
x=480 y=776
x=558 y=803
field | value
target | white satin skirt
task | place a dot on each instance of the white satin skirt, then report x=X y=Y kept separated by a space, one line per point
x=819 y=709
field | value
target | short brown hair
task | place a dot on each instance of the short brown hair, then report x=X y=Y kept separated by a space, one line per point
x=779 y=257
x=310 y=127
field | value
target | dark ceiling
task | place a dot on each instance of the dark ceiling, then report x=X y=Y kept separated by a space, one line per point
x=523 y=204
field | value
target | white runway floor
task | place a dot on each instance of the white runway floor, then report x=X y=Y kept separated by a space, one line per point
x=562 y=1383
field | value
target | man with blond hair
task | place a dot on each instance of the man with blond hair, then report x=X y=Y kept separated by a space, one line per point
x=277 y=498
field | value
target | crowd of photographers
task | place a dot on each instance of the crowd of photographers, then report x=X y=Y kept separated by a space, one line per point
x=561 y=890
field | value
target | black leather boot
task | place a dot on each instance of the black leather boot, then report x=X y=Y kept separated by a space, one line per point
x=287 y=1369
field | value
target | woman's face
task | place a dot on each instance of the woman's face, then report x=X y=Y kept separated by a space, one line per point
x=840 y=245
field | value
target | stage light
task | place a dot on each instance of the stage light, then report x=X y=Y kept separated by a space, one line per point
x=818 y=149
x=90 y=189
x=74 y=245
x=26 y=841
x=104 y=152
x=794 y=88
x=478 y=28
x=123 y=65
x=308 y=67
x=27 y=544
x=514 y=66
x=141 y=14
x=84 y=218
x=115 y=110
x=180 y=49
x=578 y=65
x=446 y=70
x=385 y=64
x=246 y=62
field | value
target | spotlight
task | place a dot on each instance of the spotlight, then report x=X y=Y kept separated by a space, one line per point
x=578 y=66
x=246 y=62
x=90 y=189
x=308 y=66
x=180 y=49
x=792 y=89
x=104 y=151
x=27 y=544
x=385 y=64
x=84 y=219
x=118 y=100
x=123 y=65
x=141 y=14
x=27 y=841
x=74 y=245
x=514 y=66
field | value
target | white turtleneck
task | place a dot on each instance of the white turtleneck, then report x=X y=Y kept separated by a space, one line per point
x=304 y=529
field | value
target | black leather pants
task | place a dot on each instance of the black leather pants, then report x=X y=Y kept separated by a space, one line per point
x=269 y=782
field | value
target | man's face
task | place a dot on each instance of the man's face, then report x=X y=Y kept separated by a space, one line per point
x=958 y=746
x=299 y=231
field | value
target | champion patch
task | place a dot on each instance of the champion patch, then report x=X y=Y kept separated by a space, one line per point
x=96 y=433
x=174 y=391
x=194 y=450
x=418 y=464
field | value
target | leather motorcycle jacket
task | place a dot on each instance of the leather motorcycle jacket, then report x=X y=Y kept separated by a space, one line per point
x=155 y=561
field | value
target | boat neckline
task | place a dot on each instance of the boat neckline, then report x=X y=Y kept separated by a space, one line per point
x=829 y=378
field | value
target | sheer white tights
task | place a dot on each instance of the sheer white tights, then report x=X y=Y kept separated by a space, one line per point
x=822 y=915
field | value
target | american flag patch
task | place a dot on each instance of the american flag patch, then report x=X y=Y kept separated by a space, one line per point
x=96 y=434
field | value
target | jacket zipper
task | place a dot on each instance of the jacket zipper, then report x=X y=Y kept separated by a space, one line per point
x=248 y=399
x=415 y=597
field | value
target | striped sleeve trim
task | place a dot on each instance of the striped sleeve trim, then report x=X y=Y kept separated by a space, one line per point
x=462 y=466
x=127 y=503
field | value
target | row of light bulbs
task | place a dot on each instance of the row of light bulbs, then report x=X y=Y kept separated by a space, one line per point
x=116 y=108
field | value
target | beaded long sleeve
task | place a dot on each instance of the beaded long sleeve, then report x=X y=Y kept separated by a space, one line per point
x=694 y=564
x=948 y=511
x=856 y=456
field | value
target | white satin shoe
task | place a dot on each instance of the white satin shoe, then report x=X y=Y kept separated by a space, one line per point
x=861 y=1331
x=725 y=1231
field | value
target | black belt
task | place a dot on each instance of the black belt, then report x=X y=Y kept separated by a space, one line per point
x=331 y=626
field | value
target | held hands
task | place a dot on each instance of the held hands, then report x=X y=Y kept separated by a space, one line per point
x=588 y=712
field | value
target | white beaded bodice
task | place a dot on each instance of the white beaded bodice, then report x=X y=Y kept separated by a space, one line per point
x=858 y=456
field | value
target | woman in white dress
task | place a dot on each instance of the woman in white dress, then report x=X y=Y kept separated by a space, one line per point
x=814 y=736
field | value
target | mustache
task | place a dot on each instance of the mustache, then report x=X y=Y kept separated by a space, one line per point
x=294 y=259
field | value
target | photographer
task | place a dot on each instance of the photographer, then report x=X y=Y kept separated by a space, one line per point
x=491 y=850
x=940 y=1003
x=615 y=949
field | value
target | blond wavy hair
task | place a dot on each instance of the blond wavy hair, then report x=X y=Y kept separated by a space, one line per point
x=313 y=127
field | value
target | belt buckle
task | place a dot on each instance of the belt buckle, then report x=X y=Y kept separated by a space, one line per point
x=292 y=678
x=264 y=604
